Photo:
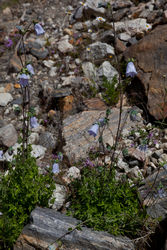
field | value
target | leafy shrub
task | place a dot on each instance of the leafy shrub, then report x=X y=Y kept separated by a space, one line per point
x=20 y=191
x=106 y=204
x=110 y=94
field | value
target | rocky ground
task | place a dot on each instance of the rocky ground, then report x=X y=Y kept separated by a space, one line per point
x=67 y=92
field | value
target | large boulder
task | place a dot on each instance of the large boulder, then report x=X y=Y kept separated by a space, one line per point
x=48 y=225
x=150 y=54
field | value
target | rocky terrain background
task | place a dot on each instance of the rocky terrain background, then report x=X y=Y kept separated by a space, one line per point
x=70 y=61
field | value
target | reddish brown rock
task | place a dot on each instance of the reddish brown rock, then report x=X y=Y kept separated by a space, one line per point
x=150 y=54
x=95 y=104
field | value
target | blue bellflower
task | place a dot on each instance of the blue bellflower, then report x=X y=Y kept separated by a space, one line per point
x=24 y=80
x=1 y=154
x=131 y=70
x=33 y=122
x=55 y=168
x=30 y=69
x=94 y=129
x=39 y=30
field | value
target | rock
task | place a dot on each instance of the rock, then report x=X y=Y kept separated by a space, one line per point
x=48 y=63
x=89 y=70
x=106 y=70
x=120 y=4
x=37 y=48
x=96 y=52
x=48 y=225
x=94 y=104
x=120 y=46
x=59 y=194
x=123 y=165
x=72 y=174
x=47 y=140
x=157 y=153
x=5 y=98
x=64 y=46
x=135 y=153
x=135 y=173
x=38 y=151
x=7 y=14
x=153 y=194
x=8 y=135
x=124 y=37
x=53 y=72
x=150 y=54
x=33 y=138
x=75 y=129
x=132 y=27
x=163 y=158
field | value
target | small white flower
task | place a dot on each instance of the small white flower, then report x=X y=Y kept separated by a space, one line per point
x=55 y=168
x=83 y=4
x=100 y=19
x=148 y=26
x=131 y=70
x=94 y=129
x=88 y=49
x=89 y=30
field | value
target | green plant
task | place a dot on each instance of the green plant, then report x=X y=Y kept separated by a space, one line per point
x=21 y=190
x=107 y=204
x=110 y=93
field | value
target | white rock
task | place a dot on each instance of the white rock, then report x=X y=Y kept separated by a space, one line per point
x=123 y=165
x=53 y=71
x=48 y=63
x=124 y=37
x=5 y=98
x=33 y=138
x=89 y=70
x=72 y=173
x=108 y=71
x=64 y=46
x=38 y=151
x=59 y=194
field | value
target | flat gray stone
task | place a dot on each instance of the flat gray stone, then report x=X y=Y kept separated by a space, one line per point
x=8 y=135
x=75 y=131
x=48 y=225
x=5 y=98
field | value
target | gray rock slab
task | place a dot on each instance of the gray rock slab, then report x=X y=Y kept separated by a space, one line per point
x=47 y=140
x=75 y=130
x=96 y=52
x=8 y=135
x=48 y=225
x=5 y=98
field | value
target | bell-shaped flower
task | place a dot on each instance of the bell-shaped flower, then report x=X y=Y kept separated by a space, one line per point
x=131 y=70
x=34 y=122
x=55 y=168
x=39 y=30
x=1 y=154
x=30 y=69
x=94 y=129
x=101 y=122
x=24 y=80
x=60 y=156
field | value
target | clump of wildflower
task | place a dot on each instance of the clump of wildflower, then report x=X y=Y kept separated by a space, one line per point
x=30 y=69
x=24 y=79
x=34 y=122
x=131 y=70
x=100 y=19
x=143 y=147
x=39 y=30
x=89 y=163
